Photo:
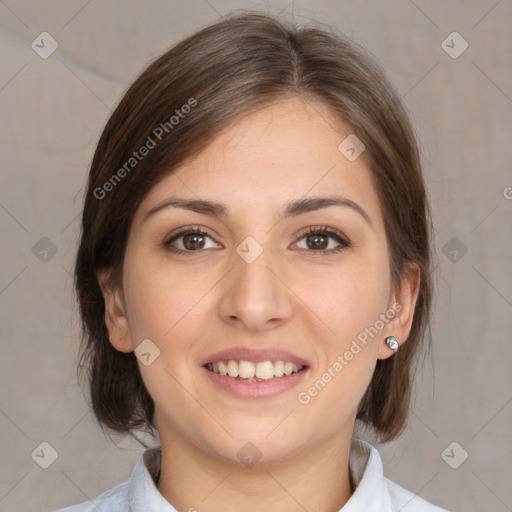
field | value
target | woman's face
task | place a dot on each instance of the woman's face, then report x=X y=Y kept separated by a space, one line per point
x=262 y=284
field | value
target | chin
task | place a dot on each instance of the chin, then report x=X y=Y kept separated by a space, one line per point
x=253 y=444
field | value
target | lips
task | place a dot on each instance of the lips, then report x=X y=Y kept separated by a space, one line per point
x=249 y=373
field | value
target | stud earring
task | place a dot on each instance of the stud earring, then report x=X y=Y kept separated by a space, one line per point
x=392 y=343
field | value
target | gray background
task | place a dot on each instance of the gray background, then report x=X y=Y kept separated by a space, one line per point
x=53 y=111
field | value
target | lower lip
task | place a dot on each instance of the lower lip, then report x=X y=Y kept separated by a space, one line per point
x=259 y=389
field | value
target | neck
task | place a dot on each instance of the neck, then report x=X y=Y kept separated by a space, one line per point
x=317 y=479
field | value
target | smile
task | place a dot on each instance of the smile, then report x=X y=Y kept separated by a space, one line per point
x=249 y=371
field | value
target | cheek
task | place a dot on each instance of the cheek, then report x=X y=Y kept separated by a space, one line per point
x=349 y=300
x=161 y=300
x=350 y=304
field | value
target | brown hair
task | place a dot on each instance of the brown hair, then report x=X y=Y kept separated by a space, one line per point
x=228 y=70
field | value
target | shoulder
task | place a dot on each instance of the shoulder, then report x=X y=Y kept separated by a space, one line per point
x=113 y=500
x=407 y=501
x=373 y=491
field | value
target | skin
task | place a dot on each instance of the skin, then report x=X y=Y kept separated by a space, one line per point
x=193 y=304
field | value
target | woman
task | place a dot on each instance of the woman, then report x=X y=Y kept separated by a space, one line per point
x=253 y=274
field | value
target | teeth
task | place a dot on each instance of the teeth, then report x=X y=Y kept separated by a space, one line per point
x=232 y=369
x=223 y=369
x=245 y=369
x=264 y=370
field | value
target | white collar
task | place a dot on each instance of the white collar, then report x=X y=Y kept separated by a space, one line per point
x=372 y=489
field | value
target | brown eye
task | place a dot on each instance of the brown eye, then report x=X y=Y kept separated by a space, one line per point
x=323 y=240
x=189 y=240
x=317 y=241
x=193 y=241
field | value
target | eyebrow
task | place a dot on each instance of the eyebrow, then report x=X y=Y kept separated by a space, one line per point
x=291 y=209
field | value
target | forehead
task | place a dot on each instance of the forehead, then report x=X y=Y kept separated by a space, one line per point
x=289 y=149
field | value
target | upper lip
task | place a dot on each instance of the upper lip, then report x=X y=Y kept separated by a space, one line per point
x=255 y=355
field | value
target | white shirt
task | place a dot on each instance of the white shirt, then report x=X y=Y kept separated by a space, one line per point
x=373 y=491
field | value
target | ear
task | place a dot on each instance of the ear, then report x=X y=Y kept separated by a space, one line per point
x=403 y=303
x=115 y=313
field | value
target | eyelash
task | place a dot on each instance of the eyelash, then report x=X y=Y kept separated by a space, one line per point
x=344 y=243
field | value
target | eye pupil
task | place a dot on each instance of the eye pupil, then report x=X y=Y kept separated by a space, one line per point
x=190 y=241
x=318 y=241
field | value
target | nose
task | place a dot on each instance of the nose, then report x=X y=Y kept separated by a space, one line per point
x=255 y=296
